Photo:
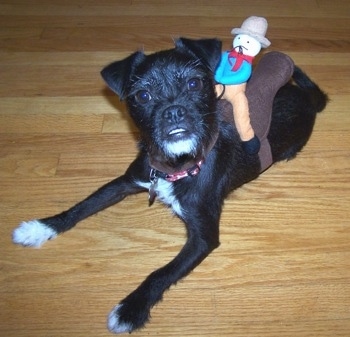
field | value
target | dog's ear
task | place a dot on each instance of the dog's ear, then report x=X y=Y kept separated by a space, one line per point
x=207 y=50
x=118 y=73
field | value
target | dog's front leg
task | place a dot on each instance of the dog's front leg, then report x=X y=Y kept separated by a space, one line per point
x=36 y=232
x=134 y=311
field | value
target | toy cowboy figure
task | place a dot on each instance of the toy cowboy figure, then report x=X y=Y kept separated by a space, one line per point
x=235 y=69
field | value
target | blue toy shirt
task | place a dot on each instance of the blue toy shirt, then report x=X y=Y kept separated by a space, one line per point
x=225 y=74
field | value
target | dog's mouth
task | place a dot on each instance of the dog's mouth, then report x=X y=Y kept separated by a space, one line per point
x=178 y=141
x=177 y=132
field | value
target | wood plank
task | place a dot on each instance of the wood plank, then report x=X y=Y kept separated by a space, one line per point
x=34 y=123
x=202 y=8
x=75 y=105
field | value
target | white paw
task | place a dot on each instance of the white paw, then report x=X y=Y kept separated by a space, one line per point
x=32 y=233
x=113 y=322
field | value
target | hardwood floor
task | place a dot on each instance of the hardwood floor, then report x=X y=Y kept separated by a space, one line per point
x=283 y=268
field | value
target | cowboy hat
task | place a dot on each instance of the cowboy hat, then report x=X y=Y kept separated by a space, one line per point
x=255 y=27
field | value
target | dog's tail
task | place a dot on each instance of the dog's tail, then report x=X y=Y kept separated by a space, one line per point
x=318 y=98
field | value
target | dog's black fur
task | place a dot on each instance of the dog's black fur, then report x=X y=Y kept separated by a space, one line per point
x=170 y=96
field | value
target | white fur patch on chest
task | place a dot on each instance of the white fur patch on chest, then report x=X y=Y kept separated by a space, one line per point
x=165 y=194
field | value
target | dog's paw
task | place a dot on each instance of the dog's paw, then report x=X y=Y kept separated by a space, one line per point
x=123 y=319
x=32 y=233
x=115 y=324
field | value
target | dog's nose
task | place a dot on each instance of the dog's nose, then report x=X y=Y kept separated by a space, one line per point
x=174 y=114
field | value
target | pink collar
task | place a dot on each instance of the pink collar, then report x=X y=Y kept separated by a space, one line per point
x=192 y=171
x=155 y=174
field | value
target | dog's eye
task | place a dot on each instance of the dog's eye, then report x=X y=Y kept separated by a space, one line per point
x=194 y=84
x=143 y=96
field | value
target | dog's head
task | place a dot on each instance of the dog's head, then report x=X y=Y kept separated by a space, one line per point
x=171 y=97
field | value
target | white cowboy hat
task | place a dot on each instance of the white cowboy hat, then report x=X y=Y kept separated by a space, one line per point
x=255 y=27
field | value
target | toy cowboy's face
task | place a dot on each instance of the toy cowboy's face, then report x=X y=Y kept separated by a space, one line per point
x=246 y=45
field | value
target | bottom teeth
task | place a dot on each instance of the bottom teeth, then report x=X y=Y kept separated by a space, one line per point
x=173 y=132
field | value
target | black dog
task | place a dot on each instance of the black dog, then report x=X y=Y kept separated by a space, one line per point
x=190 y=157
